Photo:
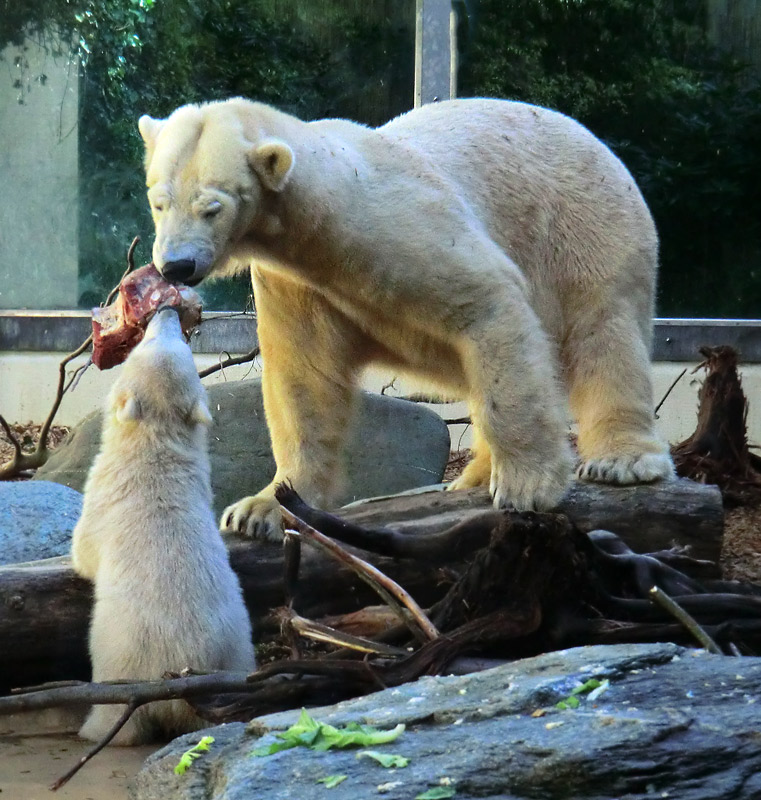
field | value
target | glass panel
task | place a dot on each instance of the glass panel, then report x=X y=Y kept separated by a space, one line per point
x=672 y=86
x=70 y=149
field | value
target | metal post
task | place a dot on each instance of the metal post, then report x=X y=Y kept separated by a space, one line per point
x=435 y=51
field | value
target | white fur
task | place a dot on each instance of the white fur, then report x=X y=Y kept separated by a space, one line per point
x=496 y=249
x=166 y=597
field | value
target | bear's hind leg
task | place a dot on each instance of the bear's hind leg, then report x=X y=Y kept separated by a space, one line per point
x=478 y=470
x=608 y=370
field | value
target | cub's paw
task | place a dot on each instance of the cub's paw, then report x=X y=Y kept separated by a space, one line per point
x=625 y=470
x=256 y=517
x=539 y=489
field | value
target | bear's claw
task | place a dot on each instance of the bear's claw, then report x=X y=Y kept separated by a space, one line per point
x=627 y=470
x=256 y=517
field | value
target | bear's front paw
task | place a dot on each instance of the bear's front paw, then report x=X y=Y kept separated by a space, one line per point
x=539 y=489
x=625 y=470
x=256 y=517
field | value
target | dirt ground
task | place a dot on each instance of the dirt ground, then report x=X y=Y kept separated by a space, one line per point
x=29 y=764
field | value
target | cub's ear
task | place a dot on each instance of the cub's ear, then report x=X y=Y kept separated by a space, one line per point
x=201 y=414
x=127 y=408
x=273 y=161
x=149 y=128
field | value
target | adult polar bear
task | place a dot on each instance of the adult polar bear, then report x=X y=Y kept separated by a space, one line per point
x=496 y=249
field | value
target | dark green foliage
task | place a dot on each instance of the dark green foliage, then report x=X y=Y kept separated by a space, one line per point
x=641 y=75
x=312 y=59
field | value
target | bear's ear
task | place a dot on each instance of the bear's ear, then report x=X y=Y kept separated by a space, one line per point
x=149 y=128
x=272 y=160
x=200 y=414
x=127 y=408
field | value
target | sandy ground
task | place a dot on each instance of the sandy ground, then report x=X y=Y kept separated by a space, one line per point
x=29 y=764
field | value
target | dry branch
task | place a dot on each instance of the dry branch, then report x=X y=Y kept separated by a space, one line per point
x=230 y=361
x=22 y=462
x=398 y=599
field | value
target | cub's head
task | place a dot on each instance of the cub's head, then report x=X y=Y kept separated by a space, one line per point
x=159 y=385
x=211 y=174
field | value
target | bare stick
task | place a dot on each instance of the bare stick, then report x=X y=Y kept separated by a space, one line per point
x=390 y=385
x=130 y=267
x=669 y=390
x=401 y=601
x=76 y=375
x=230 y=361
x=670 y=605
x=42 y=442
x=21 y=461
x=119 y=693
x=324 y=633
x=12 y=439
x=120 y=723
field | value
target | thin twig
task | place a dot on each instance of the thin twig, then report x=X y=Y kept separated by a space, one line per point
x=670 y=605
x=130 y=268
x=459 y=421
x=42 y=442
x=669 y=390
x=12 y=439
x=390 y=385
x=120 y=723
x=22 y=461
x=119 y=693
x=324 y=633
x=399 y=599
x=77 y=375
x=230 y=361
x=40 y=687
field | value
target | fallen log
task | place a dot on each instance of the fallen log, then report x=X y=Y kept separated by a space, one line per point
x=45 y=607
x=648 y=517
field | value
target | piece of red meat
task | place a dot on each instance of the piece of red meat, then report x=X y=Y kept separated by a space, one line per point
x=118 y=328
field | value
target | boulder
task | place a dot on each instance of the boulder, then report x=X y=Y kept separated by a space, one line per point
x=672 y=723
x=394 y=445
x=36 y=520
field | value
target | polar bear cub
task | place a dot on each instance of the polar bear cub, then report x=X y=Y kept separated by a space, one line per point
x=166 y=597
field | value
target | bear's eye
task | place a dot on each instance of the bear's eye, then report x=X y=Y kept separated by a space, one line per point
x=211 y=210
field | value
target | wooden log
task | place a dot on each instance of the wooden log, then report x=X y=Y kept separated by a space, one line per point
x=45 y=607
x=648 y=518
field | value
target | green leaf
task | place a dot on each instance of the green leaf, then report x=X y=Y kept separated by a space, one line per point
x=592 y=685
x=439 y=793
x=587 y=686
x=308 y=732
x=331 y=781
x=189 y=756
x=387 y=760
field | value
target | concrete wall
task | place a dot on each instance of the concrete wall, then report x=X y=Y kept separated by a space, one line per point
x=28 y=381
x=39 y=174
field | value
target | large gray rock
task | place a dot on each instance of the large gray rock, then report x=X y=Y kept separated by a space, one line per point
x=36 y=520
x=395 y=445
x=673 y=723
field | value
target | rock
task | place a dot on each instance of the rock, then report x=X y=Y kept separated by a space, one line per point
x=673 y=723
x=36 y=520
x=395 y=445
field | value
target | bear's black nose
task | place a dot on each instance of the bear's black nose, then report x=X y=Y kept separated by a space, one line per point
x=179 y=271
